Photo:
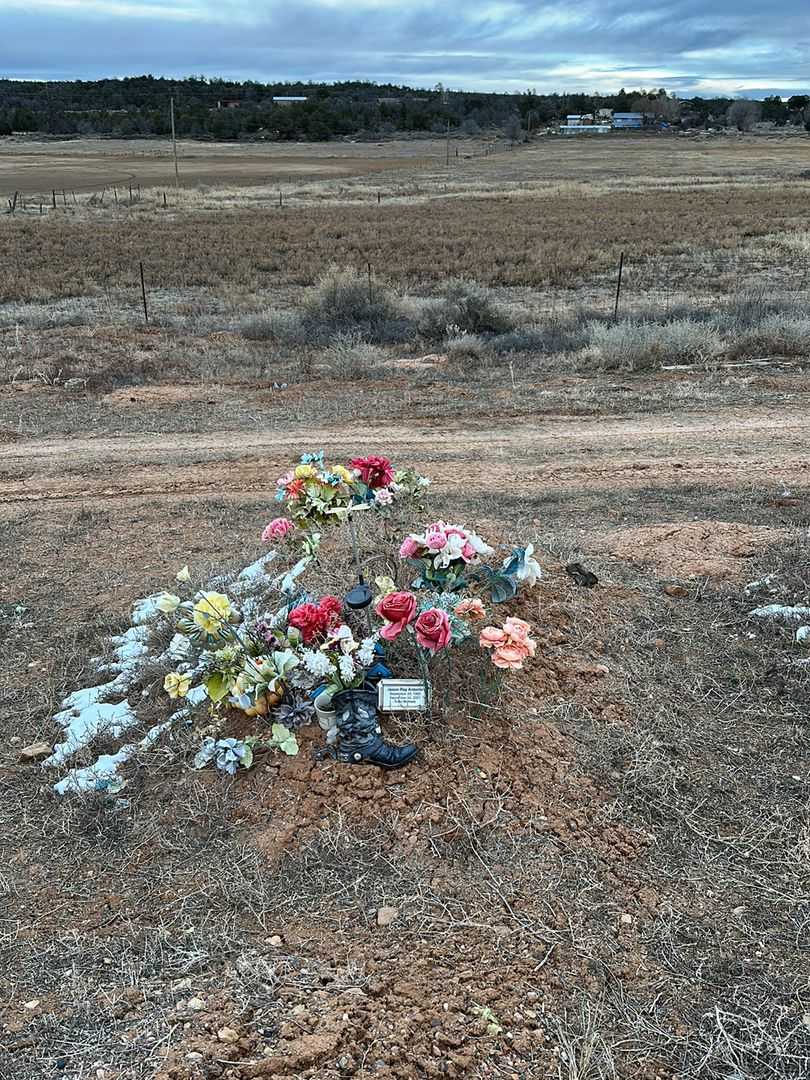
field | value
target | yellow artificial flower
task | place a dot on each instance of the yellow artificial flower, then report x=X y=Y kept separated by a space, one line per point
x=167 y=602
x=177 y=685
x=211 y=611
x=386 y=585
x=304 y=472
x=184 y=574
x=343 y=473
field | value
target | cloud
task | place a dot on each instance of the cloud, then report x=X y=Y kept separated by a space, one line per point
x=706 y=46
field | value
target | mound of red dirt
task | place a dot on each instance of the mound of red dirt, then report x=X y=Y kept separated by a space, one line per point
x=715 y=549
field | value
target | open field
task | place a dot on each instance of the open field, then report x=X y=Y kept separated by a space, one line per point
x=602 y=877
x=89 y=165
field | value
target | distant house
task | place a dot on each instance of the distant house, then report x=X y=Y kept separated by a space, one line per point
x=583 y=125
x=628 y=120
x=233 y=103
x=288 y=100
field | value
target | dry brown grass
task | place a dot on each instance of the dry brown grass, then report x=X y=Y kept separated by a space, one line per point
x=499 y=241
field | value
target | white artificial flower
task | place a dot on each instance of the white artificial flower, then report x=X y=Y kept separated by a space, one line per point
x=183 y=575
x=365 y=653
x=346 y=666
x=317 y=663
x=478 y=545
x=423 y=481
x=529 y=572
x=454 y=545
x=167 y=602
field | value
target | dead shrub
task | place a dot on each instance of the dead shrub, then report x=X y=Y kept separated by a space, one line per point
x=466 y=347
x=644 y=346
x=350 y=357
x=466 y=307
x=777 y=335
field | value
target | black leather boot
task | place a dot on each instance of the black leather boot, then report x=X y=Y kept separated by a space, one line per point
x=360 y=740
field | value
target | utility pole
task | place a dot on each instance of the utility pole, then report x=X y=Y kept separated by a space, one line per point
x=174 y=146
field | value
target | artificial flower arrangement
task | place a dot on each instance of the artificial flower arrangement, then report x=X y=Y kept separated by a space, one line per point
x=273 y=668
x=317 y=494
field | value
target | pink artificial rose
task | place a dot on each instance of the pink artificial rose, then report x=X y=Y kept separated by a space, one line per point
x=398 y=609
x=468 y=552
x=409 y=548
x=433 y=630
x=277 y=530
x=516 y=628
x=492 y=637
x=473 y=609
x=435 y=538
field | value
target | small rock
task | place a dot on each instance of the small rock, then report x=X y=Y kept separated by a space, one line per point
x=193 y=1057
x=196 y=1004
x=31 y=1005
x=676 y=590
x=386 y=915
x=626 y=919
x=275 y=941
x=36 y=751
x=228 y=1035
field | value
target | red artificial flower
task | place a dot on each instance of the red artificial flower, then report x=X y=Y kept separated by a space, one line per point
x=308 y=619
x=375 y=472
x=330 y=608
x=295 y=488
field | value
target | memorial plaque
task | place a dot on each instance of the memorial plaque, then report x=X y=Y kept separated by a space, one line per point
x=402 y=695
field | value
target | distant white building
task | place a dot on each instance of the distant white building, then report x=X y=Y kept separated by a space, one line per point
x=583 y=125
x=288 y=100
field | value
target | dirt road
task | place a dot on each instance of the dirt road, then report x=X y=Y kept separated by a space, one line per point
x=735 y=449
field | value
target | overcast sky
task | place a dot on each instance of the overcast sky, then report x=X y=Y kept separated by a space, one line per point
x=734 y=47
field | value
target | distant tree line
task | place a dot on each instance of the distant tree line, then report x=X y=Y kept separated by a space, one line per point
x=223 y=110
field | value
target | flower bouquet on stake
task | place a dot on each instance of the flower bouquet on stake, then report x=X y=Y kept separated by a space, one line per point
x=317 y=495
x=444 y=553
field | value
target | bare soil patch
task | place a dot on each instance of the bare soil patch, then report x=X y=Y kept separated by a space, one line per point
x=712 y=549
